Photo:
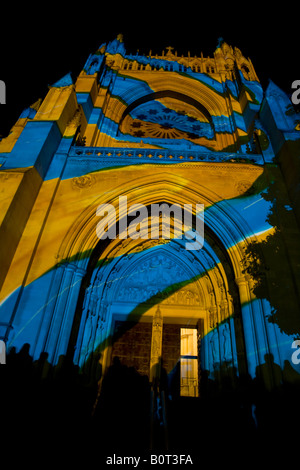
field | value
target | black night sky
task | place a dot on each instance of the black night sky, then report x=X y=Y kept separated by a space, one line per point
x=42 y=44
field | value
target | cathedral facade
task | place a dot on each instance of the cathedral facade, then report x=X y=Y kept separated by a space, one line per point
x=156 y=129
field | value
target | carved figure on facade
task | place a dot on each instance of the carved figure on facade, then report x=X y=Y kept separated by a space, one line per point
x=213 y=317
x=215 y=347
x=226 y=343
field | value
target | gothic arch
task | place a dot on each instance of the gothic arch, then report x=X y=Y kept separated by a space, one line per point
x=227 y=225
x=196 y=265
x=225 y=231
x=168 y=114
x=202 y=96
x=205 y=288
x=163 y=94
x=215 y=132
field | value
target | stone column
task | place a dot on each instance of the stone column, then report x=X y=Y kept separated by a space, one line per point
x=156 y=347
x=84 y=316
x=70 y=308
x=64 y=310
x=269 y=359
x=48 y=314
x=58 y=313
x=248 y=325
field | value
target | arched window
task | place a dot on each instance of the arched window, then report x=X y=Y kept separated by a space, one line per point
x=168 y=115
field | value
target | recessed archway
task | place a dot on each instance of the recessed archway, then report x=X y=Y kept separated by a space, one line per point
x=167 y=94
x=168 y=115
x=127 y=280
x=225 y=233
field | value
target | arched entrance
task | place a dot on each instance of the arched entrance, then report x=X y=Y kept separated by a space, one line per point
x=134 y=288
x=80 y=312
x=190 y=296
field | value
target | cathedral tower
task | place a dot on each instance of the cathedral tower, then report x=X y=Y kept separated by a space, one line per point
x=156 y=129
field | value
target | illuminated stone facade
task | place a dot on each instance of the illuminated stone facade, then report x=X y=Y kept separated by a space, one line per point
x=157 y=128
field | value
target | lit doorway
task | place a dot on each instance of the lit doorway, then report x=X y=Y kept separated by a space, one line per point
x=189 y=362
x=132 y=345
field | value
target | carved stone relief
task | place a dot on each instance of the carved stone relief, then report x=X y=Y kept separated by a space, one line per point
x=151 y=280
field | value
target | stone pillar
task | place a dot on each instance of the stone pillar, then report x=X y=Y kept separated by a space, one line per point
x=268 y=343
x=248 y=325
x=270 y=371
x=260 y=340
x=48 y=315
x=156 y=347
x=63 y=312
x=70 y=308
x=84 y=316
x=59 y=310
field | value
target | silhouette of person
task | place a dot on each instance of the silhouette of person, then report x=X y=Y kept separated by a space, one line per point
x=269 y=374
x=163 y=378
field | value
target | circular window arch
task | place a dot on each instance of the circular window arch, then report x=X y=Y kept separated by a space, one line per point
x=168 y=115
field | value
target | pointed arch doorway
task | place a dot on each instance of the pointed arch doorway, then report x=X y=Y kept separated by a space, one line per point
x=132 y=284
